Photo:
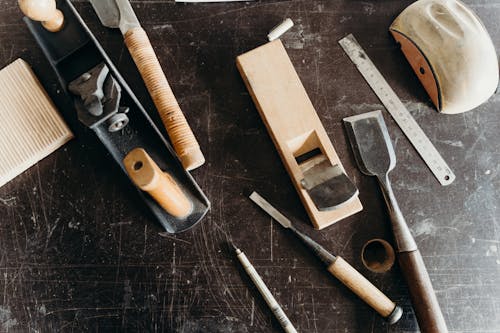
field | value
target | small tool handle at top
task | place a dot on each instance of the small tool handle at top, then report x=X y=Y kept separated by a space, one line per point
x=185 y=144
x=365 y=290
x=44 y=11
x=427 y=310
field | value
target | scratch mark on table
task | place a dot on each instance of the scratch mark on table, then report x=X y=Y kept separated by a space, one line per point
x=271 y=238
x=314 y=314
x=165 y=234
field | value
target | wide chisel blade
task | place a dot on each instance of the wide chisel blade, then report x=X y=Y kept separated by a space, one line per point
x=116 y=14
x=107 y=11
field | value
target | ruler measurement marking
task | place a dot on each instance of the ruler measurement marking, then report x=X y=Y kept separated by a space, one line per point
x=398 y=111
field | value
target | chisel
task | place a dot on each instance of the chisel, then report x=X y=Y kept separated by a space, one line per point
x=375 y=156
x=339 y=268
x=119 y=14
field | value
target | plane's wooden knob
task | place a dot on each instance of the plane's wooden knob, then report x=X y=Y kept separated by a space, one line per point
x=146 y=175
x=45 y=11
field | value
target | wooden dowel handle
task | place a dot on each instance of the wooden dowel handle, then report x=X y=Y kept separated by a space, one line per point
x=146 y=175
x=55 y=23
x=44 y=11
x=181 y=135
x=364 y=289
x=429 y=316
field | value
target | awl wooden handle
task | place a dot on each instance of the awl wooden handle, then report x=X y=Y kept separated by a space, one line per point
x=146 y=175
x=181 y=135
x=429 y=316
x=365 y=290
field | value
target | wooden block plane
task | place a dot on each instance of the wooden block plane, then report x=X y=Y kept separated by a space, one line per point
x=301 y=140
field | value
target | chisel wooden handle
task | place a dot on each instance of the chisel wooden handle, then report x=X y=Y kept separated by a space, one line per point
x=181 y=135
x=424 y=300
x=365 y=290
x=146 y=175
x=429 y=316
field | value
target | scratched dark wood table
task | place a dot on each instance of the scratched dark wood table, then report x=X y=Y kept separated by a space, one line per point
x=78 y=252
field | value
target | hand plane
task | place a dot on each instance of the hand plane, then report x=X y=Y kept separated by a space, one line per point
x=301 y=140
x=106 y=105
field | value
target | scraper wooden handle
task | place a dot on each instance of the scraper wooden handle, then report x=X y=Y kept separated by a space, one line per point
x=365 y=290
x=181 y=135
x=424 y=300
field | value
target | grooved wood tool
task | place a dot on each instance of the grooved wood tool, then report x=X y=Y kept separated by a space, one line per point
x=30 y=127
x=119 y=14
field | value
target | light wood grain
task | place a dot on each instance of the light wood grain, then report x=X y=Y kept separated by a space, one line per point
x=44 y=11
x=30 y=126
x=290 y=119
x=420 y=66
x=185 y=144
x=362 y=287
x=146 y=175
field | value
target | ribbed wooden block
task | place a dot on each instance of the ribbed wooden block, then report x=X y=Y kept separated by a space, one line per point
x=30 y=125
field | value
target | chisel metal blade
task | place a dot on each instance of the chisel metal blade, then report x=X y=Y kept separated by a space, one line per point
x=116 y=14
x=371 y=144
x=268 y=208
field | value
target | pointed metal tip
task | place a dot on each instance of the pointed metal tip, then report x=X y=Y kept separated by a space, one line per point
x=235 y=248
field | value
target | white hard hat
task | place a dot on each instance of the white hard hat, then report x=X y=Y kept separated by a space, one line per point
x=451 y=52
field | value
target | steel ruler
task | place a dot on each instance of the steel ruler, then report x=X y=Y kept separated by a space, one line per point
x=397 y=110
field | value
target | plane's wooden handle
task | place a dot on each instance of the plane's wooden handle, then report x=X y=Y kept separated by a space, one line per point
x=181 y=135
x=146 y=175
x=427 y=310
x=45 y=11
x=364 y=289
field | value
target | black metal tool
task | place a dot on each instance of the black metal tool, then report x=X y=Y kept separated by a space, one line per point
x=106 y=104
x=99 y=101
x=328 y=185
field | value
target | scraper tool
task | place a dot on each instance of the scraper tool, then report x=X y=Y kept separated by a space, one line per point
x=119 y=14
x=375 y=156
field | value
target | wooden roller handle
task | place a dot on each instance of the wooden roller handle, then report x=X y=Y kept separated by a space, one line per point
x=429 y=316
x=362 y=287
x=183 y=139
x=44 y=11
x=146 y=175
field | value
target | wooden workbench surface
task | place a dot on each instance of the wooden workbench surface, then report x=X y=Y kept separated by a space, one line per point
x=78 y=252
